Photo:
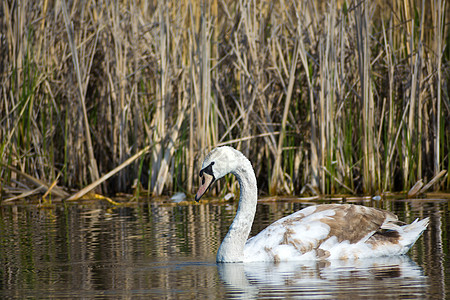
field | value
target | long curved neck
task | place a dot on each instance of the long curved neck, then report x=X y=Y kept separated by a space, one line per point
x=232 y=247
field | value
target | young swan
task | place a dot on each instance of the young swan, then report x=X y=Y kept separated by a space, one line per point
x=328 y=231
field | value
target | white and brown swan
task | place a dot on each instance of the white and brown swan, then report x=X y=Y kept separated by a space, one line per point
x=327 y=231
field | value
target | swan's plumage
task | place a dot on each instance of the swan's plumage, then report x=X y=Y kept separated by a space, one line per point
x=328 y=231
x=333 y=231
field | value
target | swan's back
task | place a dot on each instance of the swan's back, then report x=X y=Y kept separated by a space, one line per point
x=333 y=231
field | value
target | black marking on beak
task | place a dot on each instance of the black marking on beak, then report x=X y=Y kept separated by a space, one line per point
x=207 y=170
x=207 y=178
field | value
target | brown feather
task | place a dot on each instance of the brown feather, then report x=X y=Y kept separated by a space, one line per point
x=350 y=223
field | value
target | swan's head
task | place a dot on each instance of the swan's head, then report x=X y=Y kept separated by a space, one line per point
x=218 y=163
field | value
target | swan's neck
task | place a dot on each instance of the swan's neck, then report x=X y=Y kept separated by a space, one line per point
x=232 y=247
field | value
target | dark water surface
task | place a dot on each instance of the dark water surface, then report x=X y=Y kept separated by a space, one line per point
x=155 y=251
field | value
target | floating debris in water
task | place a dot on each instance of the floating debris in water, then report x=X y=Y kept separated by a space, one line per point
x=228 y=196
x=178 y=197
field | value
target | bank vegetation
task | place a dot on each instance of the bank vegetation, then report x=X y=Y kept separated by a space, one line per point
x=323 y=96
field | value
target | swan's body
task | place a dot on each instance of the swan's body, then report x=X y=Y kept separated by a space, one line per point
x=328 y=231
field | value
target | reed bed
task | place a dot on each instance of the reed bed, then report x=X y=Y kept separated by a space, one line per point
x=323 y=96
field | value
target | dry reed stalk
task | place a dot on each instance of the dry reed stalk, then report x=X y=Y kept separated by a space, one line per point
x=327 y=94
x=388 y=46
x=24 y=195
x=41 y=185
x=315 y=181
x=366 y=96
x=69 y=28
x=419 y=150
x=411 y=137
x=276 y=171
x=108 y=175
x=433 y=181
x=438 y=7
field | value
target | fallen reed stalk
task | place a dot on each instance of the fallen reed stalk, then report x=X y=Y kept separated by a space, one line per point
x=108 y=175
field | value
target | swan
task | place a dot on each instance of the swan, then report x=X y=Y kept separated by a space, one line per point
x=327 y=231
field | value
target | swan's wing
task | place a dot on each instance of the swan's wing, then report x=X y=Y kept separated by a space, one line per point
x=323 y=231
x=357 y=223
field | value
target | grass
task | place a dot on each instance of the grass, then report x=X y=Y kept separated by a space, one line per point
x=345 y=97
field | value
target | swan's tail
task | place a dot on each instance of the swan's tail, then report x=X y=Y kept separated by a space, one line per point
x=411 y=232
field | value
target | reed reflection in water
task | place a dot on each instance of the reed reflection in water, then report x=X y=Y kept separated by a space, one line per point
x=159 y=251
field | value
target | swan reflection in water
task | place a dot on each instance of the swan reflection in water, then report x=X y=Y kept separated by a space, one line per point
x=383 y=276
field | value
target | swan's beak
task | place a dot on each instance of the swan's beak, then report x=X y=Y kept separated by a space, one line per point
x=207 y=180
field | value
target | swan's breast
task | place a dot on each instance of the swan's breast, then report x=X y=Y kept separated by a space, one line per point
x=290 y=237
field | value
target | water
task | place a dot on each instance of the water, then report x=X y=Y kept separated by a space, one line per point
x=157 y=251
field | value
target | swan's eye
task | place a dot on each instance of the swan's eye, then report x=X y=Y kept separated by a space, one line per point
x=203 y=179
